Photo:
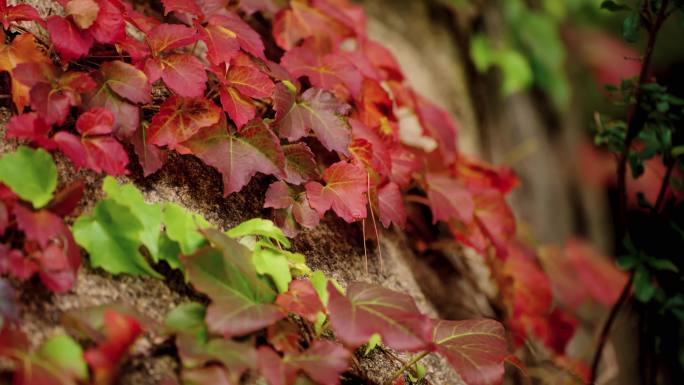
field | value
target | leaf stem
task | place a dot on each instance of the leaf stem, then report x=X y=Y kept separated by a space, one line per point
x=605 y=331
x=663 y=187
x=408 y=366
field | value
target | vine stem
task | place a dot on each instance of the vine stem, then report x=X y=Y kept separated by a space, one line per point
x=663 y=188
x=605 y=332
x=639 y=114
x=404 y=368
x=637 y=120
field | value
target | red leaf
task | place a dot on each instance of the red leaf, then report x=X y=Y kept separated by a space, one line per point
x=109 y=26
x=121 y=331
x=380 y=157
x=284 y=336
x=368 y=309
x=23 y=49
x=96 y=149
x=278 y=196
x=300 y=164
x=302 y=21
x=240 y=108
x=184 y=75
x=97 y=121
x=151 y=157
x=169 y=36
x=344 y=191
x=302 y=299
x=404 y=164
x=184 y=6
x=58 y=255
x=332 y=72
x=439 y=125
x=222 y=44
x=249 y=40
x=294 y=207
x=272 y=367
x=362 y=152
x=495 y=218
x=241 y=300
x=239 y=156
x=603 y=280
x=374 y=104
x=70 y=41
x=382 y=59
x=479 y=175
x=319 y=111
x=449 y=199
x=250 y=82
x=391 y=205
x=179 y=119
x=19 y=12
x=324 y=362
x=126 y=81
x=31 y=127
x=476 y=349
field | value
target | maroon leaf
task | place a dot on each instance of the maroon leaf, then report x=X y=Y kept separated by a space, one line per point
x=332 y=72
x=319 y=111
x=324 y=362
x=239 y=156
x=284 y=336
x=302 y=299
x=184 y=75
x=449 y=199
x=391 y=205
x=67 y=199
x=240 y=299
x=126 y=81
x=344 y=191
x=475 y=348
x=151 y=157
x=300 y=164
x=272 y=367
x=368 y=309
x=179 y=119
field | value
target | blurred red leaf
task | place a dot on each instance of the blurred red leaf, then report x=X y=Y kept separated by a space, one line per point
x=449 y=199
x=391 y=205
x=121 y=331
x=14 y=13
x=476 y=349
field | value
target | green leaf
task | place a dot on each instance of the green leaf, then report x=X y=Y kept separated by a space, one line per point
x=188 y=318
x=169 y=251
x=627 y=262
x=480 y=53
x=373 y=342
x=63 y=352
x=662 y=264
x=613 y=6
x=149 y=214
x=183 y=227
x=630 y=27
x=260 y=227
x=643 y=287
x=275 y=265
x=516 y=70
x=417 y=373
x=31 y=174
x=112 y=237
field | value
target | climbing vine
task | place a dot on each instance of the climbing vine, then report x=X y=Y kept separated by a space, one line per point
x=298 y=92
